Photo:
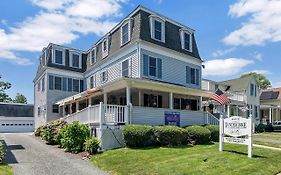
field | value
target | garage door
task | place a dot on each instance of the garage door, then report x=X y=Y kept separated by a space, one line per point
x=15 y=126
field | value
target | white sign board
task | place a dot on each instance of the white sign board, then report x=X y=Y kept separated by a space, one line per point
x=233 y=128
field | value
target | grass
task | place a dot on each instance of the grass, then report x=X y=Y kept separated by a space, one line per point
x=201 y=159
x=5 y=169
x=269 y=135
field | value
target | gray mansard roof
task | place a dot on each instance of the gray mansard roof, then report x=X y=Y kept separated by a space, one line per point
x=140 y=30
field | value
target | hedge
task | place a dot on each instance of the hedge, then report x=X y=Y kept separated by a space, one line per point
x=138 y=135
x=92 y=145
x=215 y=131
x=2 y=152
x=170 y=135
x=260 y=128
x=198 y=134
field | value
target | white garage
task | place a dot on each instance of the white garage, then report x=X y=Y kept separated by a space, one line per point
x=16 y=117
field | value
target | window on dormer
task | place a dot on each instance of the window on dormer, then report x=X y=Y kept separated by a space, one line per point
x=186 y=40
x=75 y=60
x=93 y=56
x=157 y=28
x=58 y=57
x=105 y=48
x=125 y=33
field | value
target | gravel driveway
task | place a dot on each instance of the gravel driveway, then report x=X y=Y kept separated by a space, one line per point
x=30 y=156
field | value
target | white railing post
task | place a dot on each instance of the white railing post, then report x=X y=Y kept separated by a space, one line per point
x=221 y=134
x=89 y=113
x=101 y=114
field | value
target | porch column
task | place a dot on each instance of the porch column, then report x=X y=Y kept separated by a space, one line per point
x=171 y=100
x=77 y=106
x=105 y=98
x=200 y=103
x=228 y=110
x=270 y=115
x=90 y=101
x=70 y=108
x=140 y=98
x=63 y=110
x=128 y=95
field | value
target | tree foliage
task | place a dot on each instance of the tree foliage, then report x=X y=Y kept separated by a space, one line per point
x=20 y=99
x=262 y=80
x=3 y=87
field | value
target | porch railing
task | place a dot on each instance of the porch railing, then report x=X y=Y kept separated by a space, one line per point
x=101 y=113
x=210 y=119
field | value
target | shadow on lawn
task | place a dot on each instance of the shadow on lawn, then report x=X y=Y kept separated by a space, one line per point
x=241 y=153
x=174 y=147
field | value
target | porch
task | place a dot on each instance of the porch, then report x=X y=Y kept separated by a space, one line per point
x=270 y=113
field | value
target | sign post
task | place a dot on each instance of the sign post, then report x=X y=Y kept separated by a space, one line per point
x=235 y=127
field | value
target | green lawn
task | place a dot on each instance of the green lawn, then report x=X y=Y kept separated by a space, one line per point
x=6 y=169
x=189 y=160
x=269 y=135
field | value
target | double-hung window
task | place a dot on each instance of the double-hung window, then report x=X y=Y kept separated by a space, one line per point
x=125 y=33
x=91 y=82
x=152 y=66
x=39 y=85
x=43 y=84
x=75 y=60
x=104 y=76
x=125 y=68
x=186 y=39
x=93 y=56
x=51 y=82
x=157 y=28
x=75 y=85
x=105 y=47
x=192 y=75
x=58 y=57
x=58 y=83
x=252 y=89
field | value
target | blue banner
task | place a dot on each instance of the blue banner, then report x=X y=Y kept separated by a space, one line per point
x=172 y=118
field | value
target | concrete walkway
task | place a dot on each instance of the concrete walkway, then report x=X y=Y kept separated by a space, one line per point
x=267 y=140
x=30 y=156
x=267 y=147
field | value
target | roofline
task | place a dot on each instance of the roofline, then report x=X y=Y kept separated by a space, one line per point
x=70 y=48
x=21 y=104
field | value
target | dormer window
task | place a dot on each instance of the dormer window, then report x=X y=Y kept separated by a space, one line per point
x=186 y=39
x=58 y=56
x=75 y=60
x=105 y=48
x=93 y=56
x=125 y=33
x=157 y=28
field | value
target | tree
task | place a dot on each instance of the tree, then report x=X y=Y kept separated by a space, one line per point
x=262 y=81
x=3 y=87
x=20 y=99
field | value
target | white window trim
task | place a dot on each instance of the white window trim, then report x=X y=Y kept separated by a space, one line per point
x=94 y=81
x=71 y=59
x=155 y=77
x=95 y=50
x=101 y=76
x=54 y=82
x=54 y=56
x=153 y=18
x=78 y=84
x=182 y=32
x=128 y=21
x=104 y=53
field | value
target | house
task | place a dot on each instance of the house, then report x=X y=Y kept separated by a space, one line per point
x=243 y=93
x=15 y=117
x=270 y=100
x=146 y=70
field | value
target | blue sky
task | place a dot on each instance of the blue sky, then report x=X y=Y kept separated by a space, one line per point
x=233 y=36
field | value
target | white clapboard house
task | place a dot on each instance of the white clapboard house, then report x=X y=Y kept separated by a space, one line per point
x=146 y=70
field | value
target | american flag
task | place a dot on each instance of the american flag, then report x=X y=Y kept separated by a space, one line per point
x=220 y=97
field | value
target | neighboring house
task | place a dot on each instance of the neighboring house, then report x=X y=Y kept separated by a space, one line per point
x=146 y=70
x=270 y=100
x=15 y=117
x=243 y=93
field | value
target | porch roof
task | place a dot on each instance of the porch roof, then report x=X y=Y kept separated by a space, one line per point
x=139 y=84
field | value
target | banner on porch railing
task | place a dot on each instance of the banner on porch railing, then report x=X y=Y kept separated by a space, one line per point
x=172 y=118
x=236 y=130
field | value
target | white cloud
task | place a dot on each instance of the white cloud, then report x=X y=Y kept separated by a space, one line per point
x=222 y=52
x=261 y=71
x=225 y=67
x=263 y=25
x=11 y=57
x=61 y=22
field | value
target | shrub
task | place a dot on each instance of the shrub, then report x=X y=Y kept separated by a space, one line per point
x=198 y=134
x=215 y=132
x=138 y=135
x=260 y=128
x=38 y=131
x=269 y=128
x=91 y=145
x=50 y=130
x=2 y=153
x=74 y=136
x=170 y=135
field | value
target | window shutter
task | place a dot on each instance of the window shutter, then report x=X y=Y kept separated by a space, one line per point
x=188 y=75
x=145 y=65
x=69 y=84
x=51 y=82
x=64 y=84
x=197 y=77
x=159 y=68
x=81 y=85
